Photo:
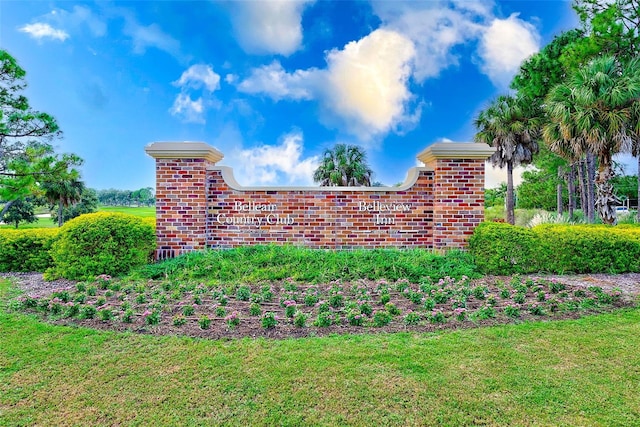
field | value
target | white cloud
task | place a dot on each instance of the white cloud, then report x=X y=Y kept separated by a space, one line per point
x=79 y=16
x=274 y=81
x=197 y=79
x=198 y=76
x=504 y=45
x=367 y=83
x=266 y=27
x=41 y=30
x=435 y=27
x=363 y=91
x=144 y=37
x=188 y=110
x=275 y=164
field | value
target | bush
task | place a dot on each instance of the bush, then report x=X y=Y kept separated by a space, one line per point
x=503 y=248
x=101 y=243
x=556 y=248
x=26 y=250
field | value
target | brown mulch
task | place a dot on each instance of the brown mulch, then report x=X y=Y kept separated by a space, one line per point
x=34 y=285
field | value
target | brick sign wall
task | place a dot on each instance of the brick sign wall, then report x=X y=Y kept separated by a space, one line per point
x=200 y=205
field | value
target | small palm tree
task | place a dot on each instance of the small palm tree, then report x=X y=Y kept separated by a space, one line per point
x=512 y=126
x=63 y=193
x=343 y=165
x=593 y=111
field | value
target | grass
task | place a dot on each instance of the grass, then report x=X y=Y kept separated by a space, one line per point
x=40 y=223
x=582 y=372
x=142 y=211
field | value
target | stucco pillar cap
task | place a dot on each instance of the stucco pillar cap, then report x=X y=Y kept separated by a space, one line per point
x=183 y=150
x=455 y=150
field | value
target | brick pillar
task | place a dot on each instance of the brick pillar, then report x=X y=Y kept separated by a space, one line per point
x=458 y=199
x=181 y=171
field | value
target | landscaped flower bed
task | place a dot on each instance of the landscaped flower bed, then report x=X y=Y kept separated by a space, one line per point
x=287 y=308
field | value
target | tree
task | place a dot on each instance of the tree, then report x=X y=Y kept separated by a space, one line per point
x=592 y=112
x=343 y=165
x=512 y=126
x=495 y=196
x=614 y=30
x=63 y=193
x=26 y=154
x=22 y=210
x=143 y=196
x=88 y=203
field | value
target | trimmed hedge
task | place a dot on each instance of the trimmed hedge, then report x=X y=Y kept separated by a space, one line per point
x=556 y=248
x=26 y=250
x=101 y=243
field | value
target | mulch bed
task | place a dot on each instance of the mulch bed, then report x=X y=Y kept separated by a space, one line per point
x=169 y=301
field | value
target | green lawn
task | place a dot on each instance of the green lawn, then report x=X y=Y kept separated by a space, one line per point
x=582 y=372
x=142 y=211
x=40 y=223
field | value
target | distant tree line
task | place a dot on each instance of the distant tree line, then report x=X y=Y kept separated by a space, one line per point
x=141 y=197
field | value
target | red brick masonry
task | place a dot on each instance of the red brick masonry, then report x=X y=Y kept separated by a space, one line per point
x=199 y=205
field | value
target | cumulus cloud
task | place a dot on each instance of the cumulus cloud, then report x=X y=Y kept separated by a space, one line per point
x=363 y=90
x=367 y=83
x=504 y=45
x=187 y=109
x=268 y=27
x=197 y=79
x=40 y=30
x=438 y=27
x=435 y=28
x=198 y=76
x=272 y=80
x=275 y=164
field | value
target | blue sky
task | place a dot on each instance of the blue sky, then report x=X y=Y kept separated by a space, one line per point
x=271 y=84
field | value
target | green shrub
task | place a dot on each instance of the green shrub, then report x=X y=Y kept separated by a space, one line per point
x=26 y=250
x=101 y=243
x=503 y=248
x=556 y=248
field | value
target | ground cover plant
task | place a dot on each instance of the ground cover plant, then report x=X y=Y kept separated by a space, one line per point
x=252 y=264
x=578 y=372
x=289 y=308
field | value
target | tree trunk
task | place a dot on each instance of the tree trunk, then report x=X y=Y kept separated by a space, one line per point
x=571 y=189
x=559 y=198
x=606 y=200
x=559 y=192
x=511 y=217
x=583 y=188
x=60 y=212
x=638 y=211
x=6 y=207
x=591 y=177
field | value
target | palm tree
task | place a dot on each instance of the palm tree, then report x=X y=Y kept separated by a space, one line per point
x=63 y=193
x=343 y=165
x=635 y=146
x=512 y=126
x=592 y=112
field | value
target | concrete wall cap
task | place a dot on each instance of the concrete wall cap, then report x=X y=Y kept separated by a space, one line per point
x=183 y=150
x=410 y=181
x=455 y=150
